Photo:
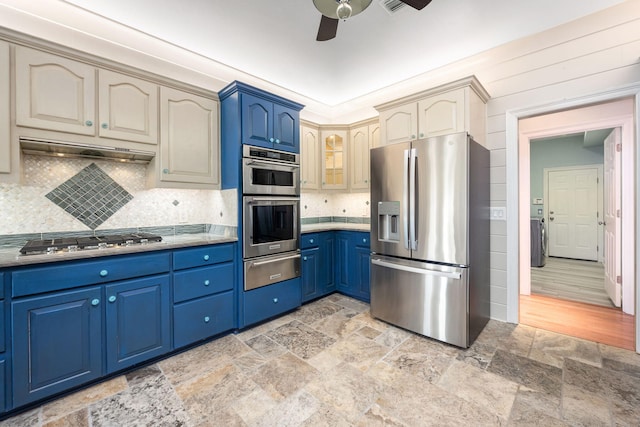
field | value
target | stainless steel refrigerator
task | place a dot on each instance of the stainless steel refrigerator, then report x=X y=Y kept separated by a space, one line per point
x=430 y=237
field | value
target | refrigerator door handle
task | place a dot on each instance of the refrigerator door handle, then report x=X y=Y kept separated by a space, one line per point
x=426 y=272
x=405 y=201
x=413 y=243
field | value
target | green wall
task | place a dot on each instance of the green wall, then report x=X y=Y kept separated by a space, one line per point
x=552 y=153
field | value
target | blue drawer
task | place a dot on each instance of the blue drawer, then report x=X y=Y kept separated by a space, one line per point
x=309 y=240
x=198 y=282
x=203 y=256
x=361 y=239
x=202 y=318
x=67 y=275
x=272 y=300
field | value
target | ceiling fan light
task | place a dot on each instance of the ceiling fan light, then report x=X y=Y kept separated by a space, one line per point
x=344 y=10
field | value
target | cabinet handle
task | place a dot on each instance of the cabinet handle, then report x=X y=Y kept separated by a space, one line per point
x=364 y=240
x=413 y=137
x=103 y=273
x=310 y=240
x=271 y=139
x=366 y=181
x=165 y=170
x=206 y=319
x=112 y=298
x=422 y=135
x=275 y=300
x=206 y=257
x=104 y=126
x=277 y=141
x=304 y=258
x=95 y=302
x=206 y=282
x=88 y=123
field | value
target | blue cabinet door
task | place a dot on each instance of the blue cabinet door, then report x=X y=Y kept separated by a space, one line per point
x=257 y=121
x=286 y=129
x=137 y=321
x=57 y=343
x=310 y=274
x=3 y=386
x=326 y=274
x=361 y=285
x=342 y=262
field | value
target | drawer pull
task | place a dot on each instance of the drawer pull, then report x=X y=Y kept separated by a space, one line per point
x=95 y=302
x=206 y=319
x=275 y=300
x=364 y=240
x=206 y=257
x=206 y=282
x=103 y=273
x=310 y=240
x=112 y=298
x=304 y=258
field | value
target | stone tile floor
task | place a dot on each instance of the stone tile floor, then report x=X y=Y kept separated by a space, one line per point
x=331 y=364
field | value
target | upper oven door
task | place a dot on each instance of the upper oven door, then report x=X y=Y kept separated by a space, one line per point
x=270 y=225
x=268 y=177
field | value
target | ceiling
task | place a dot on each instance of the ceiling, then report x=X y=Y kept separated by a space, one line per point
x=274 y=40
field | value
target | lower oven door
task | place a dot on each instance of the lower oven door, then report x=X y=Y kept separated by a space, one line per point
x=270 y=225
x=268 y=270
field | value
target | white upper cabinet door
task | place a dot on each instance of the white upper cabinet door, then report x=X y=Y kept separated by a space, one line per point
x=399 y=124
x=189 y=142
x=54 y=93
x=374 y=135
x=309 y=164
x=442 y=114
x=128 y=108
x=5 y=140
x=359 y=156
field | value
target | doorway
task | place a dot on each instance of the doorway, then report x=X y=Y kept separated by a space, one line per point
x=610 y=114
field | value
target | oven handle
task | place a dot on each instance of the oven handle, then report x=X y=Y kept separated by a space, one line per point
x=269 y=261
x=273 y=199
x=262 y=162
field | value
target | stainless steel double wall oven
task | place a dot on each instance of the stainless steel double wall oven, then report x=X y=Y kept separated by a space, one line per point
x=271 y=216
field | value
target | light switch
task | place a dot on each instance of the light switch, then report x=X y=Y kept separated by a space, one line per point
x=498 y=213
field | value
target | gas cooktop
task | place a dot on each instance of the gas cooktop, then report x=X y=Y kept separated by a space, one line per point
x=73 y=244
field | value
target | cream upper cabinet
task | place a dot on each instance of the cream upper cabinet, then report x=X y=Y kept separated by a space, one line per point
x=54 y=93
x=374 y=135
x=360 y=141
x=309 y=162
x=334 y=159
x=189 y=141
x=399 y=124
x=5 y=140
x=128 y=108
x=455 y=107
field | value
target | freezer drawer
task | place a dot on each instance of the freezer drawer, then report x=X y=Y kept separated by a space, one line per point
x=429 y=299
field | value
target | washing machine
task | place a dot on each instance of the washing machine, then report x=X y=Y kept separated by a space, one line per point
x=538 y=242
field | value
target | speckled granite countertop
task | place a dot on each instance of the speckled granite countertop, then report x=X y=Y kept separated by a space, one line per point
x=11 y=257
x=331 y=226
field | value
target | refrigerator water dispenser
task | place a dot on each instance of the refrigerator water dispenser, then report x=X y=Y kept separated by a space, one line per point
x=388 y=221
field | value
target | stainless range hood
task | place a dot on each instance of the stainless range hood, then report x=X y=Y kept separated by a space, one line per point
x=43 y=147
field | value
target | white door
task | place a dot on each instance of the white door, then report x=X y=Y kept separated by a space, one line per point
x=612 y=226
x=573 y=213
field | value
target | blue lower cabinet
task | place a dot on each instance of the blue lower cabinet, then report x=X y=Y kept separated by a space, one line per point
x=269 y=301
x=202 y=318
x=3 y=386
x=342 y=275
x=318 y=276
x=361 y=278
x=310 y=274
x=57 y=343
x=137 y=321
x=352 y=260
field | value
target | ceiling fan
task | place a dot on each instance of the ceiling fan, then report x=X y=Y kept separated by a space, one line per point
x=334 y=10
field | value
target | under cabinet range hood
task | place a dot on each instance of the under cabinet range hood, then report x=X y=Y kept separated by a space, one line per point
x=44 y=147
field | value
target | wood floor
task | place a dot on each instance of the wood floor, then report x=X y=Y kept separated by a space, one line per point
x=587 y=321
x=571 y=279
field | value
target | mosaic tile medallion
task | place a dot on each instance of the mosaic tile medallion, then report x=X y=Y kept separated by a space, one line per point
x=91 y=196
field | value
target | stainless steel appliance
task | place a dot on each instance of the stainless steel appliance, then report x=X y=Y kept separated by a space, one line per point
x=430 y=237
x=270 y=172
x=538 y=243
x=271 y=216
x=270 y=224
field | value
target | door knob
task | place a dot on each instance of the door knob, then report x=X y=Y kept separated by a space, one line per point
x=602 y=223
x=550 y=218
x=551 y=212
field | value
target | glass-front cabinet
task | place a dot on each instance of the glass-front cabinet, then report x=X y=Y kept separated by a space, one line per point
x=334 y=158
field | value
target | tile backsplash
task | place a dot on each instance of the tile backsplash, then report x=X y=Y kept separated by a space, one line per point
x=335 y=205
x=24 y=208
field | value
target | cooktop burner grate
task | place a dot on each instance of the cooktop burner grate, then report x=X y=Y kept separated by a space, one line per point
x=71 y=244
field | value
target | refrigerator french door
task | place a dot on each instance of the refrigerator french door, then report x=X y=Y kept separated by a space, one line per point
x=430 y=236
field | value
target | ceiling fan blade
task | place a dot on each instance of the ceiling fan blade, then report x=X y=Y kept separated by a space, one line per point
x=416 y=4
x=328 y=29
